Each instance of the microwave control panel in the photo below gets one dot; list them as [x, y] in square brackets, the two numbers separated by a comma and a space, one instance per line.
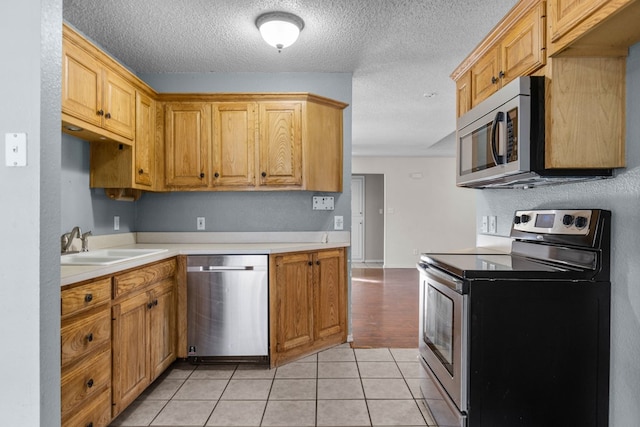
[556, 221]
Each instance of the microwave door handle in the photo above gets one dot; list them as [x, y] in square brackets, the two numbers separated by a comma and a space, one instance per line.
[494, 137]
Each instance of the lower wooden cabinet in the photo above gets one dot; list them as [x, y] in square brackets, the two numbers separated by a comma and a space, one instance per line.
[118, 334]
[308, 297]
[144, 336]
[85, 338]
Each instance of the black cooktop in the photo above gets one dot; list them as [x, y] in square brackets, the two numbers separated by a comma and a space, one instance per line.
[501, 266]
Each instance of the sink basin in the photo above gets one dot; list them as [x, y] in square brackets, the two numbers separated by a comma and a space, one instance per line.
[107, 256]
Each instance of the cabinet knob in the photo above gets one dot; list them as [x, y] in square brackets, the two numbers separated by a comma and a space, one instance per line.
[264, 174]
[310, 263]
[90, 337]
[88, 298]
[90, 383]
[90, 424]
[202, 175]
[501, 74]
[140, 171]
[107, 116]
[494, 80]
[150, 305]
[100, 112]
[318, 262]
[216, 175]
[155, 302]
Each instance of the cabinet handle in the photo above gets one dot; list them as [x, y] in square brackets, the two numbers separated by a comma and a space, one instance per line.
[216, 174]
[264, 174]
[100, 112]
[90, 383]
[90, 337]
[310, 263]
[90, 424]
[88, 298]
[107, 116]
[494, 80]
[155, 302]
[150, 305]
[140, 171]
[318, 262]
[201, 174]
[501, 74]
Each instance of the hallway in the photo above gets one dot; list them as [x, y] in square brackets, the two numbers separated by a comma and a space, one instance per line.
[384, 307]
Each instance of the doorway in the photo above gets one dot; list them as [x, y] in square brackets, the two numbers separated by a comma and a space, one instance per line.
[367, 221]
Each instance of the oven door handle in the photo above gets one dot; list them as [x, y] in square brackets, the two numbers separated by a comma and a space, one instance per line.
[449, 281]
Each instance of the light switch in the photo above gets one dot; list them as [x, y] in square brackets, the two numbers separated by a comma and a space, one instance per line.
[15, 149]
[338, 222]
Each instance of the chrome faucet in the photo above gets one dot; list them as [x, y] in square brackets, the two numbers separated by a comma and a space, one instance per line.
[67, 239]
[85, 241]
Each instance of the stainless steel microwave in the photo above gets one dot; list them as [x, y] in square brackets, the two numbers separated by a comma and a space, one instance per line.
[501, 141]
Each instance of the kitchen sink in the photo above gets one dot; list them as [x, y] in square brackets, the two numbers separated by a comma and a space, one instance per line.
[106, 256]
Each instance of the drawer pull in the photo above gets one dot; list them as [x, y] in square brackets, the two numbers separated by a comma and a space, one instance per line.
[90, 383]
[90, 337]
[88, 298]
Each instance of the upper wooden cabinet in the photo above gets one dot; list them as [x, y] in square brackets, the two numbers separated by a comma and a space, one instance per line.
[95, 97]
[239, 142]
[515, 49]
[593, 27]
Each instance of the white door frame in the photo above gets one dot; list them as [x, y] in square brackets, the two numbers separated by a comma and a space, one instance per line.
[357, 220]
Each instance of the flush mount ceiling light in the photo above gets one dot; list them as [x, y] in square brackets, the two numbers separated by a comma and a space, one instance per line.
[279, 29]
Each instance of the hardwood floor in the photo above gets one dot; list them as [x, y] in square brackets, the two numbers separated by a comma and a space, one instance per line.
[384, 307]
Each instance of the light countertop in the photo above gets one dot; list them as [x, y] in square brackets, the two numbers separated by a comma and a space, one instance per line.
[77, 273]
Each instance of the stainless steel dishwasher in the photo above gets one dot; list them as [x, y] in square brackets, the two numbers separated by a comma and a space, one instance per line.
[227, 308]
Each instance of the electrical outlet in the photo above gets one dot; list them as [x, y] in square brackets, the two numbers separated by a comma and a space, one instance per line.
[485, 224]
[338, 222]
[200, 223]
[493, 224]
[323, 203]
[116, 223]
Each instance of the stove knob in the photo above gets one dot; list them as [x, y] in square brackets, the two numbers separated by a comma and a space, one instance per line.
[516, 220]
[567, 220]
[581, 222]
[525, 218]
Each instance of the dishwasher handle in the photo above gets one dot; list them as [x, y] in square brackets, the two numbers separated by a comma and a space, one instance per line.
[217, 268]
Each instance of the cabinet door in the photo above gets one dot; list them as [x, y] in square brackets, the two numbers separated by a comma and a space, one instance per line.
[145, 140]
[329, 294]
[234, 134]
[566, 14]
[281, 144]
[119, 100]
[463, 94]
[130, 357]
[81, 84]
[485, 76]
[294, 302]
[187, 139]
[522, 49]
[162, 321]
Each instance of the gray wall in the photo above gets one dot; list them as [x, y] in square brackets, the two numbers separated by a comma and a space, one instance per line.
[249, 211]
[373, 219]
[30, 45]
[622, 196]
[87, 207]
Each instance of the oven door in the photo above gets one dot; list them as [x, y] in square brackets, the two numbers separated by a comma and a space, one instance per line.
[443, 341]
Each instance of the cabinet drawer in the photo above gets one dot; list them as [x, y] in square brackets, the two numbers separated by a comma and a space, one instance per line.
[96, 414]
[139, 279]
[85, 381]
[83, 334]
[85, 296]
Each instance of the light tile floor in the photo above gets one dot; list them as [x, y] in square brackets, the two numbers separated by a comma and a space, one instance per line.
[336, 387]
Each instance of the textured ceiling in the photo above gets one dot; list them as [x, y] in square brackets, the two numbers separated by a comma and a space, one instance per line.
[397, 50]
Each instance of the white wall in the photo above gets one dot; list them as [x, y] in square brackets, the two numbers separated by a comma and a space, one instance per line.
[429, 214]
[30, 47]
